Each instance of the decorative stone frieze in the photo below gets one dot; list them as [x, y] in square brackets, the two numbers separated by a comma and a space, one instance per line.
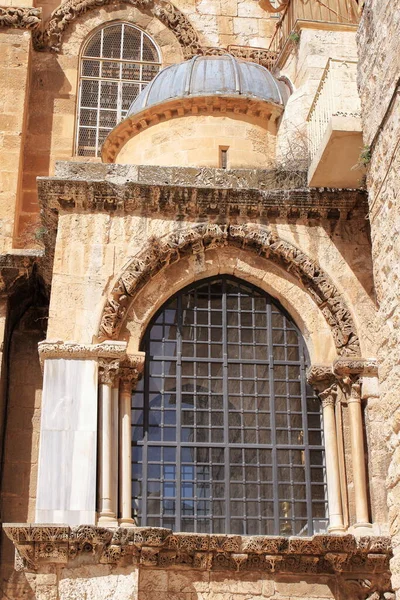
[202, 237]
[20, 17]
[196, 193]
[345, 555]
[109, 349]
[355, 366]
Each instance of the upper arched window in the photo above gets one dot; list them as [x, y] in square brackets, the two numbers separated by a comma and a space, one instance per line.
[226, 433]
[116, 64]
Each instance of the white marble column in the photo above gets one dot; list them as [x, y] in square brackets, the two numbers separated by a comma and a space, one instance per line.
[323, 381]
[126, 453]
[358, 456]
[328, 399]
[130, 373]
[108, 369]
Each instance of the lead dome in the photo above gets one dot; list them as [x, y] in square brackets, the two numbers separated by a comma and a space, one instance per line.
[211, 75]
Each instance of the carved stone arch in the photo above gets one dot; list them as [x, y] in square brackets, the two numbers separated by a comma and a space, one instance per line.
[199, 238]
[51, 36]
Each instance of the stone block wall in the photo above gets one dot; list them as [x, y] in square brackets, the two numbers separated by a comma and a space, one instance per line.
[378, 79]
[15, 57]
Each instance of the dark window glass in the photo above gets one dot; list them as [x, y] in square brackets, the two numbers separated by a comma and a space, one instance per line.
[226, 433]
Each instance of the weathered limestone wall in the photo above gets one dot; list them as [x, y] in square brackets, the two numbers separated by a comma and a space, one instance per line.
[379, 71]
[21, 447]
[304, 67]
[15, 56]
[195, 140]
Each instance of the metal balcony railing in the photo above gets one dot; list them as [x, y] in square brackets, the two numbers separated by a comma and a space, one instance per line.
[336, 96]
[345, 12]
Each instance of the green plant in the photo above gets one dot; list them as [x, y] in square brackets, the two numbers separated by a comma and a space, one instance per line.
[294, 37]
[365, 156]
[40, 232]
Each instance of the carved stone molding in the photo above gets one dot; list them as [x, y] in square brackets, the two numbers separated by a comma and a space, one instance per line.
[50, 38]
[355, 366]
[20, 17]
[72, 350]
[320, 377]
[349, 558]
[16, 269]
[367, 588]
[202, 237]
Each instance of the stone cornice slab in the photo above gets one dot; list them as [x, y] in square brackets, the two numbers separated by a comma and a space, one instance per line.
[235, 198]
[39, 545]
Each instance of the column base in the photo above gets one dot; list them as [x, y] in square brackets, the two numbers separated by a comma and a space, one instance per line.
[107, 519]
[127, 523]
[337, 529]
[362, 529]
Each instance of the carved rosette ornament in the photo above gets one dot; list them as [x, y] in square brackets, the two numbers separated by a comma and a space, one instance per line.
[205, 236]
[20, 17]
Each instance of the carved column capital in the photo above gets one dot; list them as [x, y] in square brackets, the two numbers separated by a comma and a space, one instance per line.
[328, 396]
[322, 379]
[131, 370]
[108, 370]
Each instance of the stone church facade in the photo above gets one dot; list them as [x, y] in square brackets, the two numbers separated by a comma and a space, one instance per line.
[199, 299]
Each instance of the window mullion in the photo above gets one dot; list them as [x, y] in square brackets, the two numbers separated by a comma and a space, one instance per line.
[178, 489]
[303, 392]
[273, 422]
[225, 400]
[146, 409]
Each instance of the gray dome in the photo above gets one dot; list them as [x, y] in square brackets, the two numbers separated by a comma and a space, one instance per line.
[209, 76]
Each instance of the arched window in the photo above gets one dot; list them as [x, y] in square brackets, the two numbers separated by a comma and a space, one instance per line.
[116, 64]
[226, 433]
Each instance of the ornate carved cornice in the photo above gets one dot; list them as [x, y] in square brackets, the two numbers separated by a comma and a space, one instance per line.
[202, 237]
[109, 349]
[20, 17]
[195, 193]
[157, 547]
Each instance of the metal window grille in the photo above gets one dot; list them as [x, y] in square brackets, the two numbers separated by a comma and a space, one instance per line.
[226, 433]
[116, 65]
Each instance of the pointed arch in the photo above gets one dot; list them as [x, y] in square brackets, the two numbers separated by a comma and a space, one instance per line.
[199, 238]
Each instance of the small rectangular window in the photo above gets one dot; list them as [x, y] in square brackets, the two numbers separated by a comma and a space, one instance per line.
[223, 157]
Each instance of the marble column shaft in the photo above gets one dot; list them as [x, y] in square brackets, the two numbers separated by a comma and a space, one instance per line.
[328, 399]
[357, 453]
[126, 453]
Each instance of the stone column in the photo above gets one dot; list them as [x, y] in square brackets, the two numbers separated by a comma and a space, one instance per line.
[323, 381]
[348, 372]
[108, 369]
[358, 456]
[130, 373]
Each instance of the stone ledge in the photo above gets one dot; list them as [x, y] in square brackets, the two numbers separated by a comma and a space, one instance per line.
[39, 545]
[122, 195]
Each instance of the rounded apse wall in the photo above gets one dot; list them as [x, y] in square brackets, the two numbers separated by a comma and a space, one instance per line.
[213, 140]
